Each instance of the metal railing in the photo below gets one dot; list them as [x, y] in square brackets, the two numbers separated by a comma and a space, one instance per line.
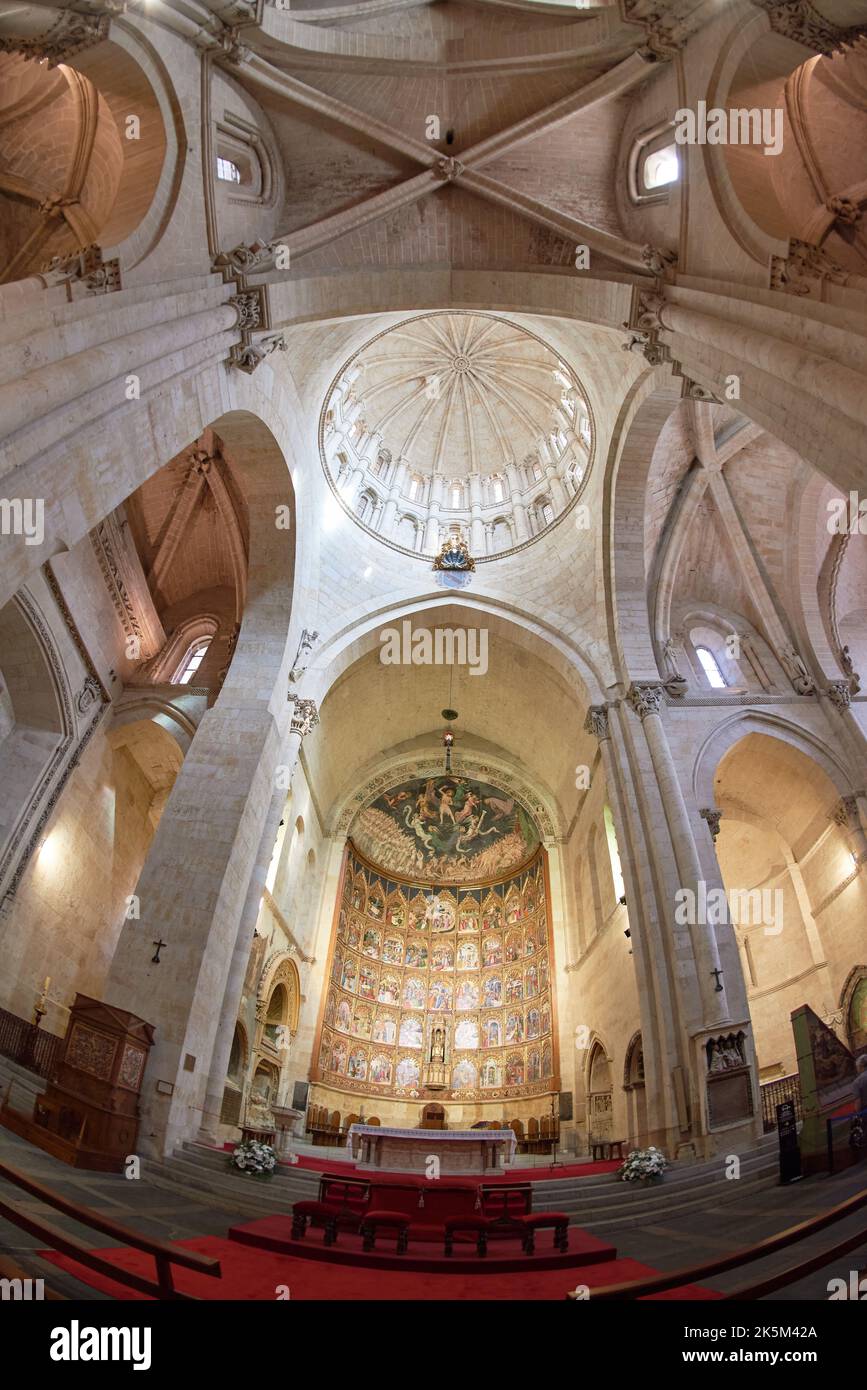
[775, 1092]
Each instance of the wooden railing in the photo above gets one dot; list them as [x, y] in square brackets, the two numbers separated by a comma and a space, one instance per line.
[775, 1092]
[165, 1254]
[658, 1283]
[29, 1046]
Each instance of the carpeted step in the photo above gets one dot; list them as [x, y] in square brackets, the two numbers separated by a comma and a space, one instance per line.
[505, 1255]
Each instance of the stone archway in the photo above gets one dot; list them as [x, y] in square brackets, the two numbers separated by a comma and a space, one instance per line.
[242, 811]
[600, 1094]
[633, 1085]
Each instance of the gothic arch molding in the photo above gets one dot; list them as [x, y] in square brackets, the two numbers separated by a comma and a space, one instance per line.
[737, 726]
[280, 970]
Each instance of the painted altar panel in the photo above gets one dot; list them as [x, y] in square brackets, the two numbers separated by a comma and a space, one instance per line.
[448, 829]
[418, 969]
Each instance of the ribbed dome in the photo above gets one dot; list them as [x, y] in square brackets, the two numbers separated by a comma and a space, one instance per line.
[457, 394]
[456, 421]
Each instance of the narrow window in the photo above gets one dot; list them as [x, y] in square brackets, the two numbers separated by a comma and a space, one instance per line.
[661, 168]
[192, 661]
[710, 666]
[227, 170]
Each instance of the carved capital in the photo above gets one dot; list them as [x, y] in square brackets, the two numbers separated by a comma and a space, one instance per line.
[839, 694]
[797, 20]
[69, 34]
[596, 722]
[713, 818]
[249, 307]
[305, 716]
[845, 210]
[845, 813]
[646, 697]
[805, 268]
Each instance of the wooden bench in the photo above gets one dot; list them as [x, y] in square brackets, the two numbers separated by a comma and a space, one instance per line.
[374, 1221]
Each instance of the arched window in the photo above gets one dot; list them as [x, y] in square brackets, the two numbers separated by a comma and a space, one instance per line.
[227, 170]
[192, 661]
[457, 494]
[710, 666]
[498, 488]
[661, 167]
[614, 855]
[546, 513]
[414, 487]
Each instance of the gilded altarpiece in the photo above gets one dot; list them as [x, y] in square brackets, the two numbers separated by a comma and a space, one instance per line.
[440, 992]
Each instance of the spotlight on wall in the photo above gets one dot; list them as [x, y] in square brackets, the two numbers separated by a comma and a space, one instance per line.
[622, 900]
[628, 934]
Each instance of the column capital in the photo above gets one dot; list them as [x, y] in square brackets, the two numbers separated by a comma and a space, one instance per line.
[596, 722]
[305, 716]
[798, 20]
[646, 697]
[840, 695]
[713, 818]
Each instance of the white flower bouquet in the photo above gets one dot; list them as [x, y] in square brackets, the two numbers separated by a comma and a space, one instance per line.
[643, 1164]
[258, 1160]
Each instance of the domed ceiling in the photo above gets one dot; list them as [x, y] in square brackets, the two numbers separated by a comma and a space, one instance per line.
[448, 829]
[463, 415]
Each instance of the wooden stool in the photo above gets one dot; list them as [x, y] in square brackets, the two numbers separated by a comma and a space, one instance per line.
[538, 1221]
[391, 1220]
[478, 1225]
[304, 1212]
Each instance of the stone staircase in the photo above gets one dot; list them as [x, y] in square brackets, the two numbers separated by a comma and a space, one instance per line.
[595, 1203]
[603, 1203]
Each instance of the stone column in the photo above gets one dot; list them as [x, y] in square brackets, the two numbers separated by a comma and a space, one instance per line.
[556, 488]
[477, 526]
[662, 1040]
[192, 891]
[647, 700]
[304, 719]
[519, 511]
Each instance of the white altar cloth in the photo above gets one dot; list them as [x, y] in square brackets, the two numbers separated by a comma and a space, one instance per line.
[397, 1149]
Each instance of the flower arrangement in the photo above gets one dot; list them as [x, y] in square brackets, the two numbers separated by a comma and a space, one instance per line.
[259, 1160]
[643, 1164]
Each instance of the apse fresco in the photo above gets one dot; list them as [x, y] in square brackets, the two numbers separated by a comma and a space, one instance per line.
[450, 829]
[438, 992]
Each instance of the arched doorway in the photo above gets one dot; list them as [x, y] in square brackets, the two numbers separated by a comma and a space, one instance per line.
[600, 1095]
[633, 1085]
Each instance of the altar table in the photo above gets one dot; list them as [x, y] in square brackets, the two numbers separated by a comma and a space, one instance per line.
[408, 1150]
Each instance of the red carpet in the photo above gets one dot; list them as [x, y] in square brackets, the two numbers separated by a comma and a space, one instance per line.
[250, 1274]
[540, 1174]
[505, 1255]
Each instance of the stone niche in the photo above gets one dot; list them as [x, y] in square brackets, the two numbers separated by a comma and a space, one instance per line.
[729, 1082]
